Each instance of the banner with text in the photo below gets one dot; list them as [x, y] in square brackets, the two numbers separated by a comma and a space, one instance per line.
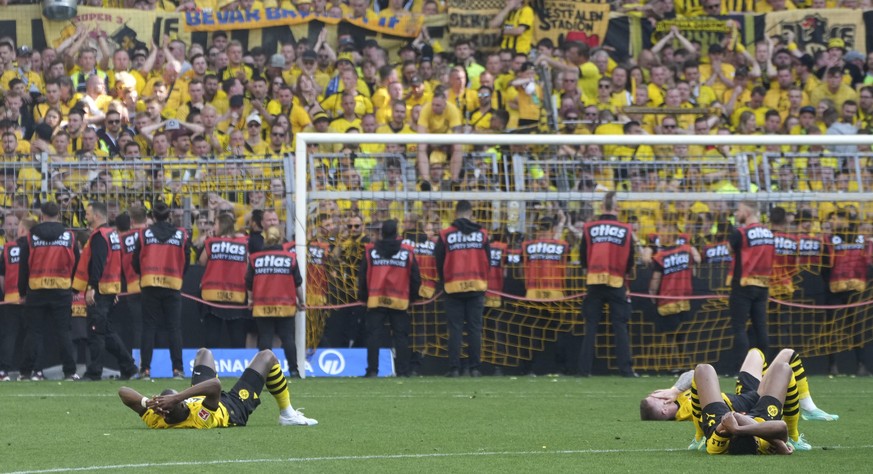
[125, 27]
[812, 29]
[406, 26]
[232, 362]
[468, 20]
[575, 20]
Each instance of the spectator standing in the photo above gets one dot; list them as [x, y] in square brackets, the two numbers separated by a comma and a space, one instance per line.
[388, 281]
[607, 255]
[463, 261]
[44, 282]
[161, 258]
[98, 275]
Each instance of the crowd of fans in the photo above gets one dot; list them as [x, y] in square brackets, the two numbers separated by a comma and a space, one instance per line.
[132, 126]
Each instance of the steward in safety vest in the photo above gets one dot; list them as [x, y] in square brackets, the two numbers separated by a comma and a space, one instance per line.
[785, 248]
[49, 258]
[463, 255]
[11, 261]
[389, 276]
[753, 248]
[846, 258]
[273, 280]
[100, 263]
[226, 260]
[545, 263]
[667, 236]
[161, 256]
[672, 276]
[426, 259]
[810, 246]
[495, 274]
[129, 228]
[607, 251]
[388, 280]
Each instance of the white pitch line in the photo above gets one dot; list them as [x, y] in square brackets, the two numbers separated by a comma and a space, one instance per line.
[365, 458]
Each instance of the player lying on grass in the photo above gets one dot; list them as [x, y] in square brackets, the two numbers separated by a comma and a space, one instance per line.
[675, 403]
[761, 429]
[204, 405]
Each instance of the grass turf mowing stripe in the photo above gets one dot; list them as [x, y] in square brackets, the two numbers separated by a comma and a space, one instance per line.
[369, 457]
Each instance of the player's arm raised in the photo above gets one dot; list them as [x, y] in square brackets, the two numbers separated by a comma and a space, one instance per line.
[209, 389]
[133, 399]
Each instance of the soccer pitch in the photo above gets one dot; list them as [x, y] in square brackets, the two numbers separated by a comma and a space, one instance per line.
[428, 424]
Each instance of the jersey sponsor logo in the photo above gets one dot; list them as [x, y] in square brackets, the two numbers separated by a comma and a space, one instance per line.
[544, 249]
[230, 251]
[759, 236]
[130, 242]
[809, 246]
[785, 245]
[203, 414]
[460, 241]
[608, 233]
[14, 255]
[175, 239]
[718, 253]
[114, 241]
[63, 240]
[676, 262]
[496, 257]
[399, 259]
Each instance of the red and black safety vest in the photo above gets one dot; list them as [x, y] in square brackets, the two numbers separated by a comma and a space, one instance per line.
[545, 266]
[51, 262]
[128, 246]
[274, 291]
[608, 247]
[388, 277]
[426, 259]
[110, 280]
[224, 276]
[849, 262]
[717, 252]
[810, 251]
[784, 264]
[162, 263]
[11, 261]
[676, 272]
[756, 255]
[290, 247]
[316, 273]
[466, 265]
[495, 274]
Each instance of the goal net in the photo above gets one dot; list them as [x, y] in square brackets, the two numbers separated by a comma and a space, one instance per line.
[540, 189]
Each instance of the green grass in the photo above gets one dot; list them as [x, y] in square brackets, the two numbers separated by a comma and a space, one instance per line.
[522, 424]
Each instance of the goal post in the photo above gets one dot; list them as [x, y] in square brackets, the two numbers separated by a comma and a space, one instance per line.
[303, 193]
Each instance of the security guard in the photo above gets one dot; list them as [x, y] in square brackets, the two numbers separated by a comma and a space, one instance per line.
[388, 281]
[161, 258]
[44, 283]
[98, 275]
[607, 255]
[463, 261]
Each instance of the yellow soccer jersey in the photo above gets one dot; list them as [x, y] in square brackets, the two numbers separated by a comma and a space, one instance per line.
[199, 417]
[684, 401]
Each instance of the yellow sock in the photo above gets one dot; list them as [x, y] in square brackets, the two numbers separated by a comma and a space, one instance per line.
[695, 411]
[278, 387]
[799, 376]
[791, 410]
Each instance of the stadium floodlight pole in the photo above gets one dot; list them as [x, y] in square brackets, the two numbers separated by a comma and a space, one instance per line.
[304, 139]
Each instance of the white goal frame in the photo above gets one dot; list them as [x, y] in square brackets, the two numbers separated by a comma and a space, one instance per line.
[299, 199]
